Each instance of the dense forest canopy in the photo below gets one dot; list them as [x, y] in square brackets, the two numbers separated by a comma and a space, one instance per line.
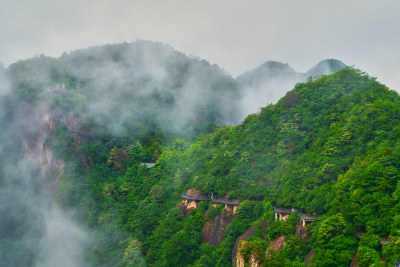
[329, 148]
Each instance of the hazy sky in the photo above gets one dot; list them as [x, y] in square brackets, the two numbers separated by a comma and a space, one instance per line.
[238, 35]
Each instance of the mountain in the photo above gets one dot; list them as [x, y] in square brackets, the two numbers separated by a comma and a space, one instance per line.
[147, 91]
[271, 80]
[124, 155]
[135, 89]
[145, 87]
[325, 67]
[328, 149]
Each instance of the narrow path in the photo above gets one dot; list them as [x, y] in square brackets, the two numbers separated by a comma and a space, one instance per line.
[215, 200]
[200, 198]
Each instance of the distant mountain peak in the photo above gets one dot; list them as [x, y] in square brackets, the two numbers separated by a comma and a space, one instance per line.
[326, 66]
[268, 70]
[275, 65]
[271, 80]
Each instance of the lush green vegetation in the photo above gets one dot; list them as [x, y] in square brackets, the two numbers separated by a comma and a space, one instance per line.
[330, 147]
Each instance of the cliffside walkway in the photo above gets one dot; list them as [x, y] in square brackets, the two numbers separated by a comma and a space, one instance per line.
[226, 201]
[199, 198]
[213, 199]
[280, 213]
[304, 219]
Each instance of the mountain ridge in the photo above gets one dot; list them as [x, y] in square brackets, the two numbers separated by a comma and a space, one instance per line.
[329, 146]
[271, 80]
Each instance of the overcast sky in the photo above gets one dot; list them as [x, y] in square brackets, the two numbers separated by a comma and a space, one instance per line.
[238, 35]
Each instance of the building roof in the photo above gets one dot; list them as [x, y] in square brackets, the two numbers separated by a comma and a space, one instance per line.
[284, 210]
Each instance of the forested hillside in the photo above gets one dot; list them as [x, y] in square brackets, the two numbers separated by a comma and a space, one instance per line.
[130, 89]
[329, 147]
[327, 150]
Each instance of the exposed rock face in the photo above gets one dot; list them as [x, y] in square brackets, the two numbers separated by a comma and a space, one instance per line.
[194, 193]
[38, 126]
[192, 202]
[307, 259]
[52, 123]
[237, 257]
[186, 205]
[213, 231]
[36, 123]
[79, 131]
[253, 261]
[277, 245]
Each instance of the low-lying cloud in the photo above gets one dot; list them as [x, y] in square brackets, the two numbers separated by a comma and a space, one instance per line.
[34, 230]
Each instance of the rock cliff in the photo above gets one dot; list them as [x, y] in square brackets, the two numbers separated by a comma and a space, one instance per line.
[238, 259]
[213, 231]
[277, 245]
[37, 123]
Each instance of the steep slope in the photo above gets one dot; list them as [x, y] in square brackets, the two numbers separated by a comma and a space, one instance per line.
[329, 147]
[34, 230]
[320, 149]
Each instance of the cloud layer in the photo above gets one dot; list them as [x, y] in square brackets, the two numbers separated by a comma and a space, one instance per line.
[34, 230]
[237, 35]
